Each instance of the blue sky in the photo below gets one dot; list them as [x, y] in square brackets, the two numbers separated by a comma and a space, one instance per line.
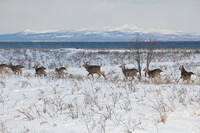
[18, 15]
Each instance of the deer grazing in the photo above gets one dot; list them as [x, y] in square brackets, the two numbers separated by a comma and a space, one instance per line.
[94, 69]
[62, 71]
[189, 76]
[153, 73]
[3, 69]
[41, 71]
[16, 69]
[130, 72]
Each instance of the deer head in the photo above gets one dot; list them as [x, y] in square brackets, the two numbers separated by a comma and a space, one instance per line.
[35, 67]
[181, 68]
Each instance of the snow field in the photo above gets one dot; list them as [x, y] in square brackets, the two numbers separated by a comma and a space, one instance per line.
[79, 104]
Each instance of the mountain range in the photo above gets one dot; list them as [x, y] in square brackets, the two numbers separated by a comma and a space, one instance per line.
[126, 32]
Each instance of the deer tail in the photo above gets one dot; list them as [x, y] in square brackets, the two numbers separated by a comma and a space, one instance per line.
[193, 77]
[102, 69]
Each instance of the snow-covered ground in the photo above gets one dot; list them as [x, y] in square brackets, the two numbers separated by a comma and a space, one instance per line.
[81, 105]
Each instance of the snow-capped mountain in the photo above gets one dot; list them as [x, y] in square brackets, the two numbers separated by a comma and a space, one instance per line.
[126, 32]
[29, 31]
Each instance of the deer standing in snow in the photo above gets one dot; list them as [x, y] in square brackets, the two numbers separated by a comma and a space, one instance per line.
[94, 69]
[3, 69]
[16, 69]
[130, 72]
[153, 73]
[41, 71]
[189, 76]
[62, 71]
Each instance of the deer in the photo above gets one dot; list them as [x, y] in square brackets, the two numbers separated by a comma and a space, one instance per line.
[16, 69]
[94, 69]
[41, 71]
[62, 71]
[130, 72]
[189, 76]
[3, 69]
[153, 73]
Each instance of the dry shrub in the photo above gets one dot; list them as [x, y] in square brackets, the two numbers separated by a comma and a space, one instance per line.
[77, 77]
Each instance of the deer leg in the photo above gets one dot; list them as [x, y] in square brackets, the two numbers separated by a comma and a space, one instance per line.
[62, 76]
[188, 81]
[160, 80]
[132, 77]
[138, 77]
[103, 75]
[99, 75]
[88, 74]
[2, 74]
[179, 79]
[183, 81]
[192, 82]
[45, 75]
[92, 76]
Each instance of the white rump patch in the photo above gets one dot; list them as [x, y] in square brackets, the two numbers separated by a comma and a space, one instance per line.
[162, 73]
[102, 69]
[193, 77]
[65, 71]
[137, 73]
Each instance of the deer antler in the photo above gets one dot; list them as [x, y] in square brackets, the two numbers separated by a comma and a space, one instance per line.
[90, 59]
[83, 58]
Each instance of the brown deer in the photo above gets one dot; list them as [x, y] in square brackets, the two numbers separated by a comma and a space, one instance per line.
[16, 69]
[62, 72]
[94, 69]
[41, 71]
[130, 72]
[3, 69]
[153, 73]
[189, 76]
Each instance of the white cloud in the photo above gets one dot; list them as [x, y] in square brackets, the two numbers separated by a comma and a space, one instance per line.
[103, 6]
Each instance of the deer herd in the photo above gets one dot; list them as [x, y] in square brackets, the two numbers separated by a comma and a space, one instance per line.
[94, 69]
